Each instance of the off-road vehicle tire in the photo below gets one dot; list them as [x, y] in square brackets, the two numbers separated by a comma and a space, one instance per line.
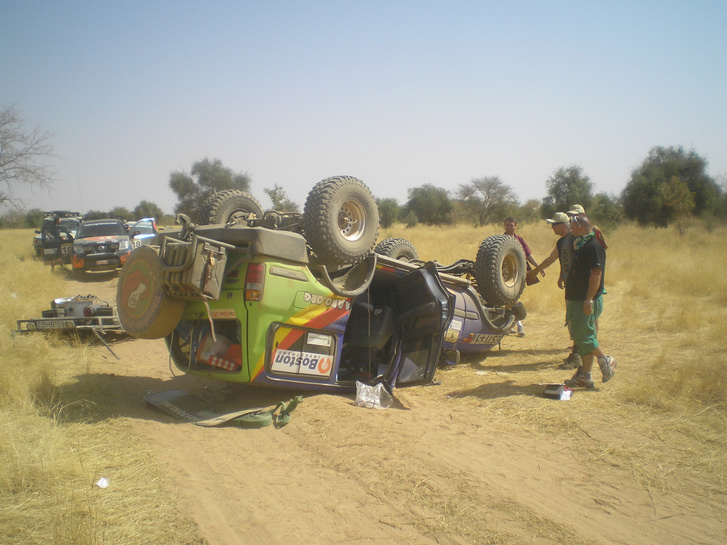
[229, 205]
[500, 270]
[397, 248]
[341, 220]
[145, 310]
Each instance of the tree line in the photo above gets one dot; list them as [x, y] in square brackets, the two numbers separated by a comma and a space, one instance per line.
[670, 186]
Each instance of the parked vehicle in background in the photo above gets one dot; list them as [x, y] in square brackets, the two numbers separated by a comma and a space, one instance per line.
[56, 244]
[304, 302]
[100, 245]
[69, 221]
[142, 232]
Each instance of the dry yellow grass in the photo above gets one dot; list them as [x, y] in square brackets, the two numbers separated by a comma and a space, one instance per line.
[52, 449]
[667, 294]
[665, 321]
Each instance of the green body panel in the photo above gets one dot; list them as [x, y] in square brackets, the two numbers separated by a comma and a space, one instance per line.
[291, 296]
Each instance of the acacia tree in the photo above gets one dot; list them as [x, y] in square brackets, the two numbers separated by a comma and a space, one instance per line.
[430, 204]
[484, 197]
[677, 201]
[146, 209]
[388, 211]
[566, 187]
[606, 211]
[643, 196]
[204, 179]
[120, 213]
[280, 199]
[21, 155]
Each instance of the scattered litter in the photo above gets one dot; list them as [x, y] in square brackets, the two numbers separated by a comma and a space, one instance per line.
[557, 391]
[103, 482]
[373, 397]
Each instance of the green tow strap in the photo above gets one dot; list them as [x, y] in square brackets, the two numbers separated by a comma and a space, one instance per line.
[265, 417]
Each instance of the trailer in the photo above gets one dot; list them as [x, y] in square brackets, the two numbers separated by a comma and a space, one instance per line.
[82, 312]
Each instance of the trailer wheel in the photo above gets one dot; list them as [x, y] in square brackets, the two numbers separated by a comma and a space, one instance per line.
[145, 310]
[341, 220]
[397, 248]
[229, 206]
[500, 270]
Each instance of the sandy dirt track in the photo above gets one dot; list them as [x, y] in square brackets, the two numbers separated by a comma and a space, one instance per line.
[441, 466]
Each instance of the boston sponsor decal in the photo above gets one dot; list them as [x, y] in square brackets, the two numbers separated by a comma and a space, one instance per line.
[302, 363]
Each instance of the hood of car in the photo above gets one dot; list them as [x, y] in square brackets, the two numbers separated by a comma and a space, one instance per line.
[101, 239]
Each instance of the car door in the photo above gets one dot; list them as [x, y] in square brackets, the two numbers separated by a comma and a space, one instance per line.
[424, 312]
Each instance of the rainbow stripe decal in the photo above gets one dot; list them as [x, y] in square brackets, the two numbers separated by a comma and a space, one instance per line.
[330, 314]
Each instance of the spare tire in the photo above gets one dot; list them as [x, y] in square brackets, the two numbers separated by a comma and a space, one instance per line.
[229, 206]
[398, 248]
[145, 310]
[341, 220]
[500, 270]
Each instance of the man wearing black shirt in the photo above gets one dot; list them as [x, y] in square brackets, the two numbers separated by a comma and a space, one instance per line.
[584, 303]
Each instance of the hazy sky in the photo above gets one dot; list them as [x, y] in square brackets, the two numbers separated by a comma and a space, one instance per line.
[397, 93]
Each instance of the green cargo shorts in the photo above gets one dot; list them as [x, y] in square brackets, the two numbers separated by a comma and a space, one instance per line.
[582, 328]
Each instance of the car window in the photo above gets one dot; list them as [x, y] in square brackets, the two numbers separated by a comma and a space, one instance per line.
[142, 228]
[100, 229]
[69, 224]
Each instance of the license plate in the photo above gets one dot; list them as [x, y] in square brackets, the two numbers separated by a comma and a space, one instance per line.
[103, 262]
[50, 324]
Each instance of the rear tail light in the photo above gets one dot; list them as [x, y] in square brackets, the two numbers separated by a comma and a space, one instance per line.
[254, 282]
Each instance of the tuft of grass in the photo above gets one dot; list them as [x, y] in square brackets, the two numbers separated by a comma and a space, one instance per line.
[50, 463]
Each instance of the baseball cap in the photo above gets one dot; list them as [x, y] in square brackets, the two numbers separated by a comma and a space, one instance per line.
[575, 210]
[559, 217]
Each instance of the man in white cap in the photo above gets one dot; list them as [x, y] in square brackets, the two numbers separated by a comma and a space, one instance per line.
[584, 291]
[576, 210]
[563, 251]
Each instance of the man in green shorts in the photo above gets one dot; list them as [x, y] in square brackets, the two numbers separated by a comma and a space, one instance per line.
[584, 303]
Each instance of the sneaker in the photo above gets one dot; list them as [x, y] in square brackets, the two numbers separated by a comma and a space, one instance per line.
[520, 331]
[573, 361]
[579, 380]
[608, 367]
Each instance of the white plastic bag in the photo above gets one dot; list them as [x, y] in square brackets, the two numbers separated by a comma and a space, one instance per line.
[373, 397]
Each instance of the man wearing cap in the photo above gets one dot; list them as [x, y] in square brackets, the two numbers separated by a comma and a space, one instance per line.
[578, 210]
[584, 302]
[563, 251]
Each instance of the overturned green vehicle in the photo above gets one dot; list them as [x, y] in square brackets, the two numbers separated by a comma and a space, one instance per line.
[298, 301]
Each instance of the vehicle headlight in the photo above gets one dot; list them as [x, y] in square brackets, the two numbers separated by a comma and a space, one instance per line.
[78, 250]
[124, 245]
